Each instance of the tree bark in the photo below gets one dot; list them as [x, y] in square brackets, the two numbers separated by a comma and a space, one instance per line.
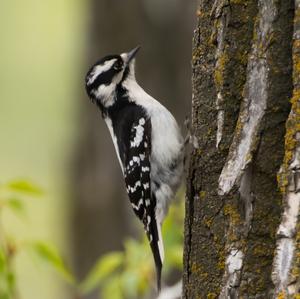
[242, 232]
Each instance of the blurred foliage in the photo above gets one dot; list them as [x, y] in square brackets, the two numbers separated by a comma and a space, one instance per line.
[42, 56]
[131, 273]
[122, 274]
[13, 196]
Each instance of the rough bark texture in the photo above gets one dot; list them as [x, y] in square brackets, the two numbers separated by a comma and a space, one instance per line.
[242, 81]
[286, 265]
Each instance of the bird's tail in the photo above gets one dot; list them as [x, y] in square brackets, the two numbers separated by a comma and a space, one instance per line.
[156, 245]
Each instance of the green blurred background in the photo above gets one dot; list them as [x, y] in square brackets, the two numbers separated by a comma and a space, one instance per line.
[42, 44]
[51, 134]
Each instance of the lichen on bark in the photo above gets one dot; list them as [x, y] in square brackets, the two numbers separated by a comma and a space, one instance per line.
[286, 265]
[230, 238]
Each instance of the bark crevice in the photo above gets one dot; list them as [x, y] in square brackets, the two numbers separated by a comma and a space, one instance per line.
[286, 264]
[254, 103]
[241, 83]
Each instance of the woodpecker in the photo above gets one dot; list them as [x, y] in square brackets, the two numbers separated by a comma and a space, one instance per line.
[147, 140]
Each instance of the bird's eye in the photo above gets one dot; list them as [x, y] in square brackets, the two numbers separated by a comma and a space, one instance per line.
[118, 66]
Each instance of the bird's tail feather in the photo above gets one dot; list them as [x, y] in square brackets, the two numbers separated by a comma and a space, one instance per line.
[157, 249]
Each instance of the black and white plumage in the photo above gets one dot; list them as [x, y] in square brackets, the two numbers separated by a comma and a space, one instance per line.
[147, 140]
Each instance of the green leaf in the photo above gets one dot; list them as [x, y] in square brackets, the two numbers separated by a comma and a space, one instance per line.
[15, 204]
[175, 256]
[130, 283]
[112, 289]
[4, 294]
[7, 278]
[104, 267]
[2, 261]
[11, 281]
[24, 186]
[137, 252]
[49, 254]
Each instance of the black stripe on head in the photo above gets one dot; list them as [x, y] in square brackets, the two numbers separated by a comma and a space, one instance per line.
[106, 77]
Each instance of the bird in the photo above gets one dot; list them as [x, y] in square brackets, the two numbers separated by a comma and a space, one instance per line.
[147, 140]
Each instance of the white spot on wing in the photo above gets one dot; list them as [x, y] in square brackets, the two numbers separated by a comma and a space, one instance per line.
[133, 189]
[139, 133]
[145, 169]
[136, 159]
[138, 206]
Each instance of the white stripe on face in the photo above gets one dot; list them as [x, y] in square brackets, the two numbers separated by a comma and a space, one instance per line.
[98, 69]
[105, 93]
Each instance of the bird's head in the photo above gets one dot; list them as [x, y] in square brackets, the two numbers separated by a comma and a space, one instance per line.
[104, 76]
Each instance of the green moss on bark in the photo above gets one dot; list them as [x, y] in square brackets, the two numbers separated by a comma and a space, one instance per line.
[205, 226]
[213, 222]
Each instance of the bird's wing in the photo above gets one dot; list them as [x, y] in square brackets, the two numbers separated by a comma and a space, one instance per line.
[137, 169]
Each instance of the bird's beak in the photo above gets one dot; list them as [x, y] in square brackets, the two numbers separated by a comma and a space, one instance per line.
[131, 54]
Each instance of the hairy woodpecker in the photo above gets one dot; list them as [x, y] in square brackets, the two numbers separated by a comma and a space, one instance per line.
[147, 140]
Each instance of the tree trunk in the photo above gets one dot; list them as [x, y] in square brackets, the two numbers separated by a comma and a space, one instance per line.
[242, 233]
